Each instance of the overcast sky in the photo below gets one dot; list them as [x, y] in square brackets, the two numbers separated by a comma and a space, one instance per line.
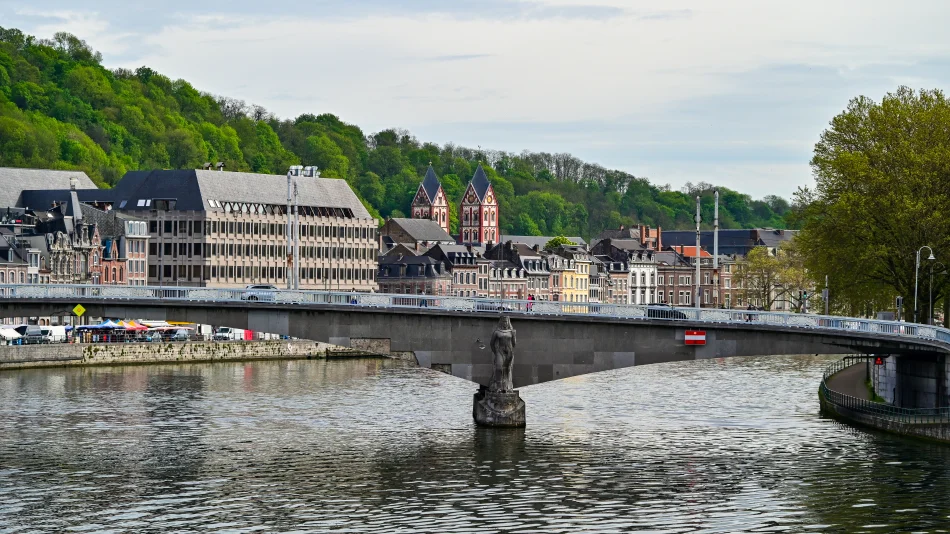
[730, 92]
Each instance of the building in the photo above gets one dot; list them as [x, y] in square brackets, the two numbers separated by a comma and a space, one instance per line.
[430, 201]
[14, 183]
[532, 261]
[641, 268]
[570, 273]
[418, 235]
[124, 246]
[507, 281]
[478, 213]
[414, 275]
[464, 264]
[617, 290]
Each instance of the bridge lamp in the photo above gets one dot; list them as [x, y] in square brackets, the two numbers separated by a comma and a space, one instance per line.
[916, 272]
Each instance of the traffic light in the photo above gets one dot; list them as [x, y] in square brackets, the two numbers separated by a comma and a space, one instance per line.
[878, 360]
[900, 301]
[805, 295]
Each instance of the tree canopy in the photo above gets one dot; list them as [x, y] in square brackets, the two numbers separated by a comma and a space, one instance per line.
[61, 109]
[882, 172]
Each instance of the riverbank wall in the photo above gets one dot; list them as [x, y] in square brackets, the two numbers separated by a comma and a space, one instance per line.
[930, 424]
[79, 354]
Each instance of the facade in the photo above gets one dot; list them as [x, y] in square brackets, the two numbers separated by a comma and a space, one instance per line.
[229, 229]
[124, 246]
[530, 260]
[648, 238]
[430, 201]
[463, 262]
[641, 268]
[414, 275]
[507, 281]
[478, 214]
[570, 271]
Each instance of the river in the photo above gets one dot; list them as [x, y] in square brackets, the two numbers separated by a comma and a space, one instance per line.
[733, 445]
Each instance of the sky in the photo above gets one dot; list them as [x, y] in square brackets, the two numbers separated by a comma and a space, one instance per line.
[731, 92]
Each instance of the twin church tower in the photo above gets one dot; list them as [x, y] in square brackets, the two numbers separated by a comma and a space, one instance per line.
[478, 212]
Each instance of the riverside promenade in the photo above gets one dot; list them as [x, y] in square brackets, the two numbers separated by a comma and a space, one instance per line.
[81, 354]
[845, 396]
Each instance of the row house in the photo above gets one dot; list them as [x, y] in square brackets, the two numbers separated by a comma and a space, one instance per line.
[414, 275]
[469, 269]
[570, 273]
[530, 260]
[507, 281]
[124, 246]
[618, 281]
[641, 265]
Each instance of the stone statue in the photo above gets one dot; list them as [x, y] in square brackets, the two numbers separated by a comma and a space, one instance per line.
[499, 404]
[503, 347]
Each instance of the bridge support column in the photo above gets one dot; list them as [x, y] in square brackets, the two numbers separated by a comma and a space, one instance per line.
[498, 408]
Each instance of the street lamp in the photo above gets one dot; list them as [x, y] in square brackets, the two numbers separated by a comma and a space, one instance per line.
[932, 265]
[916, 270]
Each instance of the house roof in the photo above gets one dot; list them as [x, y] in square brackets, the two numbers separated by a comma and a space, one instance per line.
[192, 189]
[431, 184]
[13, 182]
[690, 251]
[621, 233]
[540, 241]
[422, 230]
[480, 182]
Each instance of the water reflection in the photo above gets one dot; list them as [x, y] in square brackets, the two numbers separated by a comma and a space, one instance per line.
[375, 446]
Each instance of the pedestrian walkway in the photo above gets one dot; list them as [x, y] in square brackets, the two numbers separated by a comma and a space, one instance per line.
[850, 381]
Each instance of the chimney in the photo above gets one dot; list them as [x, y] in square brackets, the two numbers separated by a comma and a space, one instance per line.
[73, 182]
[417, 246]
[537, 248]
[220, 166]
[206, 166]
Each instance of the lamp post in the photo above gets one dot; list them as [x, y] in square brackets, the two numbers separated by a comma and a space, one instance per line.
[916, 272]
[932, 265]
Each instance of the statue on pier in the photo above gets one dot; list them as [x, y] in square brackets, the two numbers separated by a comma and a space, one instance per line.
[499, 404]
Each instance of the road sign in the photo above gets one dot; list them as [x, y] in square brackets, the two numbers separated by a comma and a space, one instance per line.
[79, 310]
[878, 361]
[695, 337]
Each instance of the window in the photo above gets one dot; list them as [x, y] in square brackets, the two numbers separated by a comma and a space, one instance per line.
[661, 280]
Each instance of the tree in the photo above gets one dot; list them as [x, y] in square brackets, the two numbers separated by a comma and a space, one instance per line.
[882, 173]
[555, 242]
[759, 275]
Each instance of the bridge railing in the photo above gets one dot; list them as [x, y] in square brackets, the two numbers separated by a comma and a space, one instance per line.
[71, 293]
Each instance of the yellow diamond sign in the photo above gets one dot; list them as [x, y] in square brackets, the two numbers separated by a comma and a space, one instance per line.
[79, 310]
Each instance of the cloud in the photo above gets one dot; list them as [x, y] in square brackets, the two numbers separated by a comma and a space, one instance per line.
[681, 90]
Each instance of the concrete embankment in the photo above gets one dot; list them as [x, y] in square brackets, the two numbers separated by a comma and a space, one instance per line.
[59, 355]
[844, 396]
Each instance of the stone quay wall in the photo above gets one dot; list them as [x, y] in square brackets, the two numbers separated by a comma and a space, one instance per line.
[927, 424]
[73, 354]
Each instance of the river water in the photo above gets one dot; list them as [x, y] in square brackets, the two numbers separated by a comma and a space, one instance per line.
[732, 445]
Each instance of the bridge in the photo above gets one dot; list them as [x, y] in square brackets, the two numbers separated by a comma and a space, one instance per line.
[555, 339]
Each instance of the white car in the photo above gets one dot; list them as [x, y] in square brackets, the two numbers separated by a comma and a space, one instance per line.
[258, 292]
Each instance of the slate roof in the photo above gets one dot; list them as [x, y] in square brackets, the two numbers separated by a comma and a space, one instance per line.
[736, 241]
[540, 241]
[193, 188]
[413, 266]
[423, 230]
[110, 223]
[13, 182]
[480, 182]
[621, 233]
[431, 184]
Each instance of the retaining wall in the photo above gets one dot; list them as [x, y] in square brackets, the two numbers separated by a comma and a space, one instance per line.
[57, 355]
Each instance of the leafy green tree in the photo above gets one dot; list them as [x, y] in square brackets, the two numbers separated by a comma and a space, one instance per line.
[882, 192]
[555, 242]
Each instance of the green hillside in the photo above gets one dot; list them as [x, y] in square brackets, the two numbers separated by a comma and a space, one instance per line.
[61, 109]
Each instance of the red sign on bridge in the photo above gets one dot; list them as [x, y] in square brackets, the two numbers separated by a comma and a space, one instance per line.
[695, 337]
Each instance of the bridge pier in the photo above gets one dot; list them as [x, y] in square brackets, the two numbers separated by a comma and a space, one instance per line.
[913, 381]
[498, 408]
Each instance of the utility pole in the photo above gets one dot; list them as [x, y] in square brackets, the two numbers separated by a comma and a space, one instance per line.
[296, 238]
[291, 174]
[717, 295]
[699, 290]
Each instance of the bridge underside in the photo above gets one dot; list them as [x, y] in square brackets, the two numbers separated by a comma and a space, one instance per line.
[548, 347]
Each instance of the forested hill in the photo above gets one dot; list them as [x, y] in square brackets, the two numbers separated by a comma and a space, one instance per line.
[61, 109]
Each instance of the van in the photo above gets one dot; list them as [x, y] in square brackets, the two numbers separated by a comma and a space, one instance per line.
[228, 334]
[55, 334]
[31, 334]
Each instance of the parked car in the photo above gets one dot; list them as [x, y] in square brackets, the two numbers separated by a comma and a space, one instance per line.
[181, 335]
[226, 333]
[255, 292]
[54, 334]
[664, 312]
[31, 334]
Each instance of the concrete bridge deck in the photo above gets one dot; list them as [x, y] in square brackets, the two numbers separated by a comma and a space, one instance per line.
[555, 339]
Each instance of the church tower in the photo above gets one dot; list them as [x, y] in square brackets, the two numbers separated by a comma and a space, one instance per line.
[430, 201]
[478, 214]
